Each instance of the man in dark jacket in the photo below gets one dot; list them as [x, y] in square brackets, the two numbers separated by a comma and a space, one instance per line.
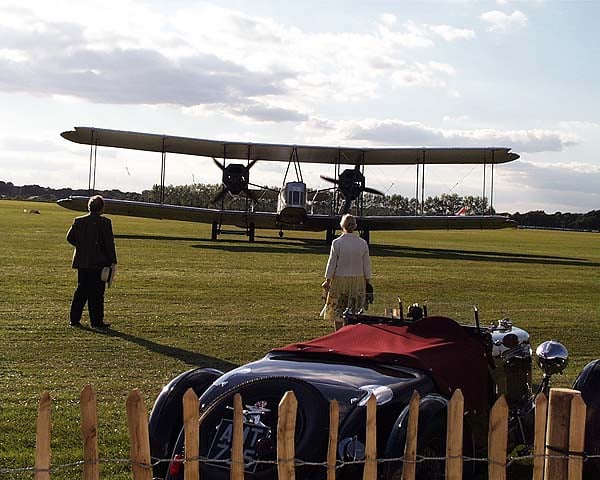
[94, 243]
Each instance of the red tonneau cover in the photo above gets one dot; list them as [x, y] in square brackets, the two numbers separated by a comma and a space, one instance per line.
[453, 356]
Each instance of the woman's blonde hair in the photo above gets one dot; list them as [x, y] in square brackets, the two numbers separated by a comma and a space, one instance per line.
[348, 223]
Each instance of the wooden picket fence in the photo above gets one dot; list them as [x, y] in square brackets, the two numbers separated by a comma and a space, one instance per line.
[559, 427]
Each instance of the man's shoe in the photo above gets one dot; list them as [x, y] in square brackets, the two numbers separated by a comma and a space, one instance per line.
[101, 325]
[74, 324]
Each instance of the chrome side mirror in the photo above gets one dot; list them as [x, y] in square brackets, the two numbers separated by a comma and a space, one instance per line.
[552, 356]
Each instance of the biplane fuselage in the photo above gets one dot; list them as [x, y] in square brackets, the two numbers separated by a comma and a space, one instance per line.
[291, 204]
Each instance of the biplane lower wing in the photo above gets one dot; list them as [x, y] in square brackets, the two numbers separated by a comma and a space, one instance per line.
[238, 218]
[270, 220]
[433, 222]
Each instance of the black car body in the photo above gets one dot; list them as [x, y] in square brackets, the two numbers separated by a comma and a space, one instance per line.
[387, 358]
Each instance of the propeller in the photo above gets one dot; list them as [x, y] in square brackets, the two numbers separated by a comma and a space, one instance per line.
[236, 177]
[351, 183]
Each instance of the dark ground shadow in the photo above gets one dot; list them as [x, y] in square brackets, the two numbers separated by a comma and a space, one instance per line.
[474, 255]
[242, 245]
[156, 237]
[272, 246]
[192, 359]
[318, 246]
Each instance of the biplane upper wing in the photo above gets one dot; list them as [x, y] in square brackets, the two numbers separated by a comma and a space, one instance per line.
[279, 152]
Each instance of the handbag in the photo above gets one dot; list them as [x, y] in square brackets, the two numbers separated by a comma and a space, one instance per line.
[107, 274]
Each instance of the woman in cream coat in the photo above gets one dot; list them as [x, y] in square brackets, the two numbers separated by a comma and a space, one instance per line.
[347, 273]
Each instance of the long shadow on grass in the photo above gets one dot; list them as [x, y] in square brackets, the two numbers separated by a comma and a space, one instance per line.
[318, 247]
[474, 255]
[156, 237]
[272, 246]
[191, 358]
[312, 246]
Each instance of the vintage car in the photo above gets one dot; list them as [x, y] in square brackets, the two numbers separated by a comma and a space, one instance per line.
[381, 356]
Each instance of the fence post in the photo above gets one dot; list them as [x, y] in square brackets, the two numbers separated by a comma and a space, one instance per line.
[370, 470]
[237, 442]
[454, 437]
[334, 422]
[42, 439]
[576, 437]
[557, 433]
[539, 440]
[137, 419]
[89, 433]
[191, 430]
[286, 427]
[409, 465]
[498, 440]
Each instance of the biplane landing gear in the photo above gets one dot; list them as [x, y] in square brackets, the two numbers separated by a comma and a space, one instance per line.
[330, 235]
[366, 235]
[251, 231]
[214, 233]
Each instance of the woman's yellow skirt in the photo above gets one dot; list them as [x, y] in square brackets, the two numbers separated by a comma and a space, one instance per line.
[345, 293]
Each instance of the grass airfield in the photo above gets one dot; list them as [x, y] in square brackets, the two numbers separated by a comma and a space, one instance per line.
[181, 300]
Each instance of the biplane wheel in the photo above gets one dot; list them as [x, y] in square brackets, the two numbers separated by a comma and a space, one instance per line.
[280, 233]
[329, 235]
[251, 232]
[366, 234]
[214, 231]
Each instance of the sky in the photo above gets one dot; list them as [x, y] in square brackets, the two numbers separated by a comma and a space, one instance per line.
[516, 74]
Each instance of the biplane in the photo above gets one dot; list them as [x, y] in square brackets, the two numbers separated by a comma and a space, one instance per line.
[293, 212]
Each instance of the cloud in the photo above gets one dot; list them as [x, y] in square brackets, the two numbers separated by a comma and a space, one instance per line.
[500, 21]
[388, 19]
[203, 54]
[395, 132]
[450, 33]
[558, 180]
[22, 144]
[253, 110]
[137, 77]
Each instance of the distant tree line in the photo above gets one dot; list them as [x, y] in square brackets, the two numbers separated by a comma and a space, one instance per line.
[47, 194]
[201, 195]
[589, 221]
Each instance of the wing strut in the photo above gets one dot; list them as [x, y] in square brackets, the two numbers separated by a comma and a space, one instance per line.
[423, 186]
[490, 208]
[492, 192]
[163, 165]
[420, 199]
[93, 160]
[417, 191]
[483, 196]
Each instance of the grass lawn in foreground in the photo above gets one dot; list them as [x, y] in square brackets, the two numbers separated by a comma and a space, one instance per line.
[181, 300]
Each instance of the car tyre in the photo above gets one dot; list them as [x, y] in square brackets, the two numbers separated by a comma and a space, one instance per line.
[166, 417]
[431, 442]
[312, 421]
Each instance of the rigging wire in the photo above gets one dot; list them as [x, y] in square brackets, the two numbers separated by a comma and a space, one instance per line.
[461, 180]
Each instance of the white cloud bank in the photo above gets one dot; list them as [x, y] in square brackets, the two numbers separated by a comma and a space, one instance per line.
[501, 22]
[204, 55]
[399, 133]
